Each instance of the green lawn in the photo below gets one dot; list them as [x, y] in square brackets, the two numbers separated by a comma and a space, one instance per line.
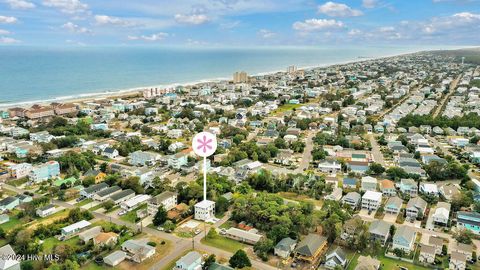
[286, 107]
[132, 215]
[50, 243]
[84, 202]
[12, 223]
[223, 243]
[18, 182]
[387, 263]
[94, 266]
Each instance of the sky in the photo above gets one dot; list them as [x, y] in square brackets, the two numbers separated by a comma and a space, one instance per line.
[239, 23]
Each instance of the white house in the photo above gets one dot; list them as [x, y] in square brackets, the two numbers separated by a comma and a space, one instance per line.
[371, 200]
[166, 199]
[442, 213]
[205, 210]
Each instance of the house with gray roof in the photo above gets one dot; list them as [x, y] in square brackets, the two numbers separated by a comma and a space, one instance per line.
[416, 207]
[353, 199]
[285, 247]
[310, 248]
[404, 239]
[427, 254]
[379, 231]
[103, 195]
[393, 205]
[191, 261]
[138, 250]
[7, 259]
[122, 196]
[115, 258]
[336, 258]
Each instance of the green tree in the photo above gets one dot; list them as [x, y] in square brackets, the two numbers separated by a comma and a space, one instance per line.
[208, 262]
[263, 247]
[160, 217]
[240, 260]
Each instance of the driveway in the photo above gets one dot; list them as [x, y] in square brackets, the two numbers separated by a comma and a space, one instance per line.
[391, 218]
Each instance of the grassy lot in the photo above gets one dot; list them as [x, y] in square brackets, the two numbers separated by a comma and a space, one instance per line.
[223, 243]
[286, 107]
[84, 202]
[48, 220]
[18, 182]
[387, 263]
[228, 224]
[300, 198]
[49, 243]
[12, 223]
[132, 215]
[94, 266]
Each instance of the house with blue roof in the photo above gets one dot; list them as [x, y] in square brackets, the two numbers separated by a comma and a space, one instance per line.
[469, 221]
[349, 182]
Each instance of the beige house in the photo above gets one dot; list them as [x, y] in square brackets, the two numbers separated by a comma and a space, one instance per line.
[427, 254]
[458, 261]
[436, 242]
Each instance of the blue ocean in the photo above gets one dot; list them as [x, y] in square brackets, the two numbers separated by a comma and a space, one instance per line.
[30, 74]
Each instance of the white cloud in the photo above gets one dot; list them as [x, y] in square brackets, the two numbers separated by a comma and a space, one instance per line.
[333, 9]
[369, 3]
[264, 33]
[354, 32]
[194, 19]
[153, 37]
[317, 25]
[109, 20]
[76, 43]
[20, 4]
[7, 19]
[75, 28]
[386, 29]
[459, 22]
[67, 6]
[8, 40]
[4, 32]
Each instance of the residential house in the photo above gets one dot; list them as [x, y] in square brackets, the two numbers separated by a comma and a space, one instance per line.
[89, 234]
[387, 188]
[249, 237]
[285, 247]
[138, 250]
[191, 261]
[20, 170]
[379, 231]
[409, 186]
[442, 214]
[458, 261]
[336, 258]
[349, 182]
[141, 158]
[97, 174]
[105, 239]
[122, 196]
[465, 249]
[114, 258]
[134, 202]
[416, 208]
[369, 183]
[330, 166]
[310, 248]
[74, 228]
[360, 167]
[427, 254]
[469, 221]
[166, 199]
[204, 210]
[437, 243]
[92, 190]
[404, 239]
[4, 218]
[45, 211]
[371, 200]
[430, 189]
[178, 160]
[9, 203]
[110, 152]
[393, 205]
[8, 259]
[336, 195]
[48, 170]
[353, 199]
[103, 195]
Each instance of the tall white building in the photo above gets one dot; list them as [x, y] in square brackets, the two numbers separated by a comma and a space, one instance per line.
[371, 200]
[205, 210]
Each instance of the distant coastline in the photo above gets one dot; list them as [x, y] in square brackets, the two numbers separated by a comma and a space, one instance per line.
[112, 94]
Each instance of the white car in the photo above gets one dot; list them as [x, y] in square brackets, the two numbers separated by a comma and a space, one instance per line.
[123, 212]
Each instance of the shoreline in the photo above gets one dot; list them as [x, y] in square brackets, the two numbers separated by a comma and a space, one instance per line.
[113, 94]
